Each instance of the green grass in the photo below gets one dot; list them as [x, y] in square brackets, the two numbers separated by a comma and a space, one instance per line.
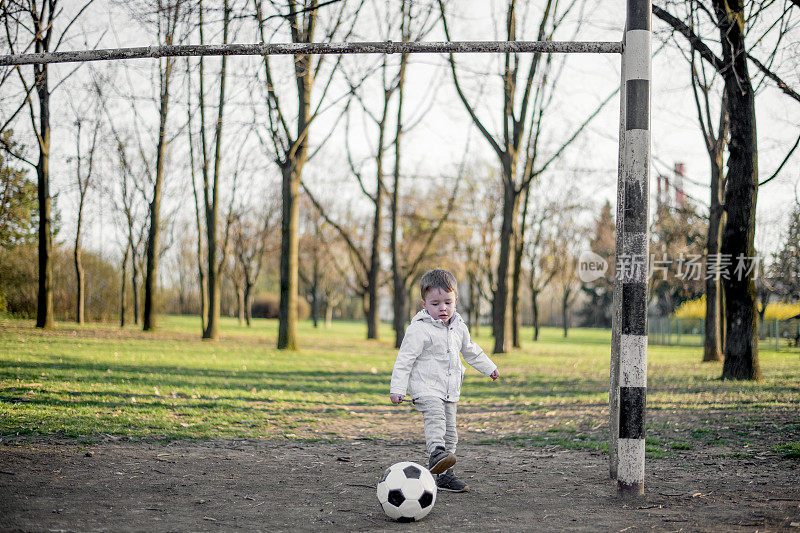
[790, 449]
[85, 382]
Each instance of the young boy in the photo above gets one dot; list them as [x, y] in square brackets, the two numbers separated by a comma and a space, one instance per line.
[429, 370]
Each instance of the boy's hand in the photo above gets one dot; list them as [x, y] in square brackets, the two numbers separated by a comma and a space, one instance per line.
[396, 398]
[494, 375]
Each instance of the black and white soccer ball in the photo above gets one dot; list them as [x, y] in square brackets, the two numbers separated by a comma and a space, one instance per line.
[407, 492]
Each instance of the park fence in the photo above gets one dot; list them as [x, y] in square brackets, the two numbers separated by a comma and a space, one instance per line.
[779, 335]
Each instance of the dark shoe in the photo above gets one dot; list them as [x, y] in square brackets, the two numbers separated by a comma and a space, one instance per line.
[449, 481]
[440, 460]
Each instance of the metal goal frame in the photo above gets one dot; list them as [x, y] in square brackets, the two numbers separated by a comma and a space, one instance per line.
[628, 367]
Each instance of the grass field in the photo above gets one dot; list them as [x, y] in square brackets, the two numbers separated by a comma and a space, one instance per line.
[97, 380]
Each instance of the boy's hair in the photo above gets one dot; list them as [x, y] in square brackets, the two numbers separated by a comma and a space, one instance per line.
[437, 279]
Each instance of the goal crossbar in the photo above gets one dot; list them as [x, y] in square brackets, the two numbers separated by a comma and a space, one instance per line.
[263, 49]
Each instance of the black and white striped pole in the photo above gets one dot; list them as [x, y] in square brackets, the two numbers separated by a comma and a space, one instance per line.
[631, 263]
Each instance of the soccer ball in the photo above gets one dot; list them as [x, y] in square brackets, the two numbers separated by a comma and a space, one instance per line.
[407, 492]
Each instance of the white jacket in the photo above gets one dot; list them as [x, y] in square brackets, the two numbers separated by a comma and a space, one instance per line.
[428, 364]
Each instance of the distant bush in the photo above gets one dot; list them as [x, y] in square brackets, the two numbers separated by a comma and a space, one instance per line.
[266, 306]
[775, 310]
[691, 309]
[19, 280]
[781, 310]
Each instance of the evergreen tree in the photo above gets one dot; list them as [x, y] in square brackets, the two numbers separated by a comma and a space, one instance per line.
[598, 310]
[785, 269]
[18, 211]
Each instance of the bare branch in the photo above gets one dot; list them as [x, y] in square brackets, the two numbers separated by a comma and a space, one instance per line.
[695, 41]
[774, 77]
[489, 137]
[566, 143]
[785, 159]
[361, 261]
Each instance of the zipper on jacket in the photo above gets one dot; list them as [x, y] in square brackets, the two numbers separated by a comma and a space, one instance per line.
[447, 329]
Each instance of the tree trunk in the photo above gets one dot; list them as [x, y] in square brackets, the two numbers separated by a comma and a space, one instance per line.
[248, 303]
[287, 309]
[475, 327]
[501, 310]
[328, 316]
[519, 244]
[291, 174]
[472, 316]
[564, 312]
[80, 282]
[713, 348]
[516, 316]
[315, 309]
[44, 308]
[240, 305]
[535, 308]
[154, 232]
[214, 264]
[315, 296]
[399, 302]
[400, 311]
[201, 274]
[373, 317]
[135, 288]
[80, 296]
[212, 326]
[122, 296]
[741, 339]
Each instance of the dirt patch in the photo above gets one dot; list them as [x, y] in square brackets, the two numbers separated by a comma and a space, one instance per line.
[284, 484]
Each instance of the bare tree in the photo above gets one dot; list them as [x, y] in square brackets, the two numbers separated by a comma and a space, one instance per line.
[322, 253]
[215, 251]
[251, 240]
[479, 244]
[314, 260]
[565, 240]
[129, 205]
[167, 16]
[542, 250]
[423, 225]
[128, 196]
[416, 21]
[201, 271]
[123, 295]
[537, 163]
[409, 24]
[31, 25]
[715, 141]
[732, 22]
[83, 181]
[518, 91]
[290, 146]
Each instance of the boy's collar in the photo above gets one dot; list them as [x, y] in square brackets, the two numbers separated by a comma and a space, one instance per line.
[439, 320]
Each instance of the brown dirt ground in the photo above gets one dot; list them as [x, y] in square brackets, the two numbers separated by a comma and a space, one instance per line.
[285, 484]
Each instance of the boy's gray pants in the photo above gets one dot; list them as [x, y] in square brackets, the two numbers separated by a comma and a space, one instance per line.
[439, 418]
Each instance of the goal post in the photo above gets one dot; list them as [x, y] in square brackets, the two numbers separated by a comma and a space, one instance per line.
[628, 389]
[264, 49]
[628, 367]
